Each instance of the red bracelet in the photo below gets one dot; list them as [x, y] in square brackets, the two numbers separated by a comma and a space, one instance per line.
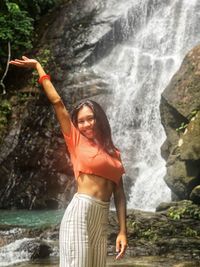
[46, 76]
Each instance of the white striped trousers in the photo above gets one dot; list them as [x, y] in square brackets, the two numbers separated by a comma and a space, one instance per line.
[83, 233]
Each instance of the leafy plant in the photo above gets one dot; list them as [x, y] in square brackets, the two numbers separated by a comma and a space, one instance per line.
[5, 112]
[5, 108]
[17, 20]
[15, 34]
[44, 57]
[36, 8]
[187, 210]
[190, 232]
[151, 235]
[192, 114]
[182, 127]
[16, 27]
[23, 97]
[176, 213]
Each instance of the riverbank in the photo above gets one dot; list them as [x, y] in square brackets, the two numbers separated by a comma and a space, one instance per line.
[126, 262]
[172, 233]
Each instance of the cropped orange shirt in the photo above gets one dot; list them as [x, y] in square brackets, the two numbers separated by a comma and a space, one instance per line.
[88, 157]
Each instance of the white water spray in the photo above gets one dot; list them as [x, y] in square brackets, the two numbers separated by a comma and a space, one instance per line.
[11, 253]
[138, 70]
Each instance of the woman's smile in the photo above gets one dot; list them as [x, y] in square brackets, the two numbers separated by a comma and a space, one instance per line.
[86, 122]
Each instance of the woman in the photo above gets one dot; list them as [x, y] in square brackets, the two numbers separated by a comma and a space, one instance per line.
[98, 171]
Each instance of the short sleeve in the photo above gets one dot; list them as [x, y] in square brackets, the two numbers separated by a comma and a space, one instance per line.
[72, 139]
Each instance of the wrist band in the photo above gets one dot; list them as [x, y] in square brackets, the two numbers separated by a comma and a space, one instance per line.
[46, 76]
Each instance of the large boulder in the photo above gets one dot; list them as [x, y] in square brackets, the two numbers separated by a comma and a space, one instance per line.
[36, 249]
[180, 117]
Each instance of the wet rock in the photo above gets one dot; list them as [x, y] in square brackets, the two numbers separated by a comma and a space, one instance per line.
[173, 230]
[195, 194]
[190, 140]
[181, 177]
[37, 249]
[180, 117]
[30, 172]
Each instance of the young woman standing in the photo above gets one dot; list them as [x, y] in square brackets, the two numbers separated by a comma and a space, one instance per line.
[98, 171]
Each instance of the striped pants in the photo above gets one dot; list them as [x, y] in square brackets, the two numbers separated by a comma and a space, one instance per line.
[83, 233]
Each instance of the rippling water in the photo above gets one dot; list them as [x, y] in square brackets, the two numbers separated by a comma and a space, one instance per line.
[11, 255]
[30, 218]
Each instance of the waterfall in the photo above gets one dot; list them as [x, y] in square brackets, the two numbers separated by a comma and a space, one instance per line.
[137, 70]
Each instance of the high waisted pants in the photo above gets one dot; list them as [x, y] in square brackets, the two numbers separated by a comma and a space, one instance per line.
[83, 233]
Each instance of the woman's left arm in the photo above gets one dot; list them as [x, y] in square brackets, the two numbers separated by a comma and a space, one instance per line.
[120, 204]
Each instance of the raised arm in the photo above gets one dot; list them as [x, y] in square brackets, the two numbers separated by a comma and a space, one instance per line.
[120, 203]
[50, 91]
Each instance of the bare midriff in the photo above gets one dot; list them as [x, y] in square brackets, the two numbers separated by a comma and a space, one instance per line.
[95, 186]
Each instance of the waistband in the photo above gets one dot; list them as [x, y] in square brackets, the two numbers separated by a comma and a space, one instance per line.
[92, 199]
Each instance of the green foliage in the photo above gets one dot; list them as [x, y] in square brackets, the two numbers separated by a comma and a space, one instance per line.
[182, 127]
[23, 97]
[5, 112]
[133, 226]
[190, 232]
[15, 26]
[5, 108]
[150, 234]
[45, 57]
[36, 8]
[17, 18]
[188, 210]
[192, 114]
[176, 213]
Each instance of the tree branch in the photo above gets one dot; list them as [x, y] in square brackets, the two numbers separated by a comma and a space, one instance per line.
[6, 70]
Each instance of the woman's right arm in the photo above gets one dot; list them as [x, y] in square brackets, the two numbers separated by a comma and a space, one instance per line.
[50, 91]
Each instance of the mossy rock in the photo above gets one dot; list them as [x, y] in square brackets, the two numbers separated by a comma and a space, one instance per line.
[195, 195]
[190, 147]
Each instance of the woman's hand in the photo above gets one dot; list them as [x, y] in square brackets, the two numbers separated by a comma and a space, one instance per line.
[121, 245]
[120, 203]
[25, 62]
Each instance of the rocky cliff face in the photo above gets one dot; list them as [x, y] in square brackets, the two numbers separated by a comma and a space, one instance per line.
[35, 170]
[180, 115]
[34, 166]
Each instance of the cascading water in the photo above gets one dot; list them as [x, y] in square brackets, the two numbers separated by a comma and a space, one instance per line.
[138, 70]
[157, 35]
[11, 254]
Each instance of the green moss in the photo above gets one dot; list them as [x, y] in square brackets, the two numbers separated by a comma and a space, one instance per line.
[189, 232]
[5, 108]
[5, 113]
[184, 125]
[150, 235]
[47, 60]
[15, 102]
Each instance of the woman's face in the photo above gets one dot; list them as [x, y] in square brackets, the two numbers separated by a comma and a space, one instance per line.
[86, 122]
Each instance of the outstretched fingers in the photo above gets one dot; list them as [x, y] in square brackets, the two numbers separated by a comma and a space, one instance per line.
[24, 62]
[17, 62]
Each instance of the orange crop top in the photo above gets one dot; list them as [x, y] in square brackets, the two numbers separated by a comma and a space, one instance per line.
[88, 157]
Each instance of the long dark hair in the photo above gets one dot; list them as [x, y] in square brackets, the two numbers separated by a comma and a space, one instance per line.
[102, 125]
